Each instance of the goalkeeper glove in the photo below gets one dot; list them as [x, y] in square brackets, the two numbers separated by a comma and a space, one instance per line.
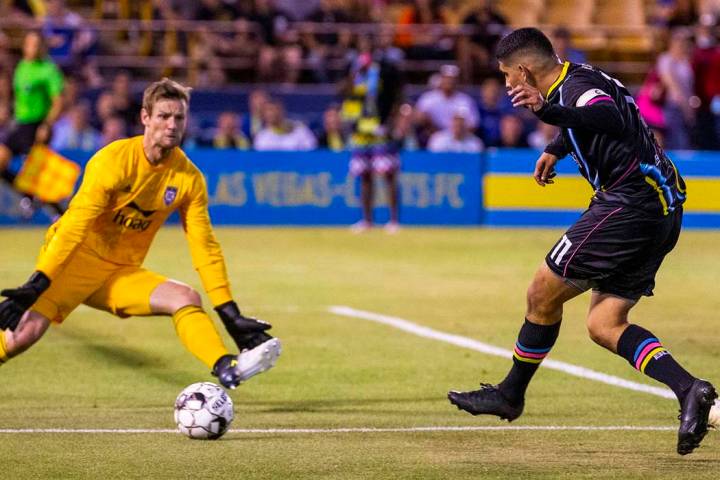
[20, 299]
[247, 332]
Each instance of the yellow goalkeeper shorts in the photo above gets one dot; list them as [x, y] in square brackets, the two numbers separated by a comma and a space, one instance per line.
[119, 289]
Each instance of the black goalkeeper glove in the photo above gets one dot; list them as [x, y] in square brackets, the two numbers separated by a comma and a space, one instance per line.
[247, 332]
[20, 299]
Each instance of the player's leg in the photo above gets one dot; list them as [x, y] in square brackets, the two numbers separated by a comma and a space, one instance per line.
[31, 328]
[545, 298]
[361, 167]
[258, 350]
[387, 165]
[193, 326]
[139, 292]
[609, 327]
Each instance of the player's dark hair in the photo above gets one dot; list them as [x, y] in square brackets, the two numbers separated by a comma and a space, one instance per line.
[526, 41]
[164, 89]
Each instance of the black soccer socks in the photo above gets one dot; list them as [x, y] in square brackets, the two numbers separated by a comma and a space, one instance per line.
[533, 344]
[645, 353]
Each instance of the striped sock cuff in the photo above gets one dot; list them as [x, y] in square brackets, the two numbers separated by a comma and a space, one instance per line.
[530, 355]
[646, 351]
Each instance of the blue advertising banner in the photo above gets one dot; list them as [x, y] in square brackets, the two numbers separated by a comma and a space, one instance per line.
[314, 188]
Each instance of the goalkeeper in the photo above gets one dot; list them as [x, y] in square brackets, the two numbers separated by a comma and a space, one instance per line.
[93, 254]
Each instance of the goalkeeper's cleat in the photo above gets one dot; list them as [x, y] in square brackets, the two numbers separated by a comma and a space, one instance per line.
[714, 417]
[694, 416]
[486, 401]
[233, 370]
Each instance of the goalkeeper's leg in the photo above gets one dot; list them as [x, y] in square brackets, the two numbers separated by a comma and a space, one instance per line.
[30, 329]
[199, 335]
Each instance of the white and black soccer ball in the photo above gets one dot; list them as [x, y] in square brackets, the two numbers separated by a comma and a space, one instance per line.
[203, 411]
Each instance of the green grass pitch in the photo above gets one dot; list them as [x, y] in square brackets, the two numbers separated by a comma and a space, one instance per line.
[99, 372]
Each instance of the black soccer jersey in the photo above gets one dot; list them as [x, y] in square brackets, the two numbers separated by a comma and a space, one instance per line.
[615, 151]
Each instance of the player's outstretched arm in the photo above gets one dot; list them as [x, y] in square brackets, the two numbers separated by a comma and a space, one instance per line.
[247, 332]
[20, 299]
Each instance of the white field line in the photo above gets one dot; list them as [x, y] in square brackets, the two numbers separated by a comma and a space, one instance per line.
[580, 428]
[471, 344]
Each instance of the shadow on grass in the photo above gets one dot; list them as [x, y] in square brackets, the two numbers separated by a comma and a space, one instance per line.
[140, 362]
[336, 405]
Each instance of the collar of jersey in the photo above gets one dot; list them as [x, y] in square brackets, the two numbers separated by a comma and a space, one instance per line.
[559, 80]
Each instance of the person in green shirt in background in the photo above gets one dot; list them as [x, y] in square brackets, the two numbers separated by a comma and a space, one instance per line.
[37, 85]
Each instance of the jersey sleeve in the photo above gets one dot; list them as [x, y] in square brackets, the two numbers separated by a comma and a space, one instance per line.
[585, 104]
[91, 200]
[205, 250]
[557, 147]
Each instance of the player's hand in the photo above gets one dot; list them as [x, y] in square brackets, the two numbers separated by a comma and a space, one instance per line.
[247, 332]
[42, 134]
[545, 169]
[20, 299]
[525, 95]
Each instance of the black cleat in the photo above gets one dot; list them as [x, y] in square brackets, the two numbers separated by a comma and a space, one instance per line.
[225, 369]
[486, 401]
[694, 416]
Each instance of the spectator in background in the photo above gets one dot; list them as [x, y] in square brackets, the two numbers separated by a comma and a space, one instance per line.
[403, 136]
[512, 132]
[125, 104]
[562, 42]
[281, 133]
[70, 40]
[493, 105]
[371, 91]
[113, 129]
[676, 74]
[228, 133]
[38, 85]
[475, 52]
[542, 135]
[252, 123]
[215, 10]
[457, 139]
[321, 46]
[706, 68]
[651, 102]
[435, 108]
[332, 136]
[7, 60]
[104, 109]
[76, 133]
[424, 41]
[280, 56]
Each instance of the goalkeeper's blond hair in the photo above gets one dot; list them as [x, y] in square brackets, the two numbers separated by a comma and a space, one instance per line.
[164, 89]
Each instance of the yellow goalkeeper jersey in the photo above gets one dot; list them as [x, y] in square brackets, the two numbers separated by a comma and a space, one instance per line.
[122, 203]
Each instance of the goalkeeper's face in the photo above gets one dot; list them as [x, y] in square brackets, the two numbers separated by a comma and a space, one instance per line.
[165, 125]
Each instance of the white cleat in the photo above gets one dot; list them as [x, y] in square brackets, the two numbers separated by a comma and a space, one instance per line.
[714, 418]
[258, 360]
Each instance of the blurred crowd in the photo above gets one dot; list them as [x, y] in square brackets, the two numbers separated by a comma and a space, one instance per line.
[285, 41]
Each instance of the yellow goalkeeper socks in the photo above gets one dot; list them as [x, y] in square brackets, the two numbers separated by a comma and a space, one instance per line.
[199, 335]
[3, 348]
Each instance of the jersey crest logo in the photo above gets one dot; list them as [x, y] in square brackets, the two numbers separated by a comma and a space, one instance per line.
[170, 194]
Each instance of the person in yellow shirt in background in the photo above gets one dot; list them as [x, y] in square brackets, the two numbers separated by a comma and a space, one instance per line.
[94, 253]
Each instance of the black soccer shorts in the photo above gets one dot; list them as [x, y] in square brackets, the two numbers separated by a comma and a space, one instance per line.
[615, 249]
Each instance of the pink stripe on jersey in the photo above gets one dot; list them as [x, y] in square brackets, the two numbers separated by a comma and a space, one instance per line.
[588, 236]
[632, 167]
[603, 98]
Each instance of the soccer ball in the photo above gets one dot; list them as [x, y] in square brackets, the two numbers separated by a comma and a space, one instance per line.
[203, 411]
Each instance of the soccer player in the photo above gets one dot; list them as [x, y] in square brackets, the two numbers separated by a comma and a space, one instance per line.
[93, 254]
[617, 245]
[37, 85]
